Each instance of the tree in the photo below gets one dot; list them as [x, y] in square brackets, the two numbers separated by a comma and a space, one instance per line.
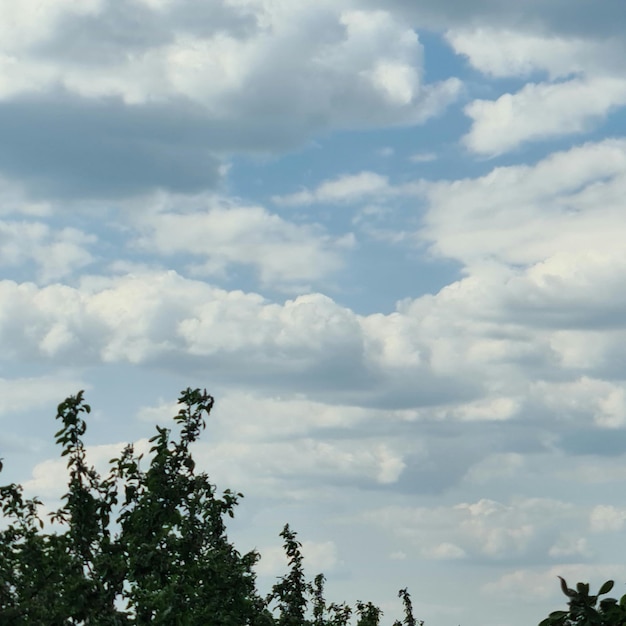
[147, 546]
[584, 609]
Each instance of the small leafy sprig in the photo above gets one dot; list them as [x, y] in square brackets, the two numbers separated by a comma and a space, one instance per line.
[584, 609]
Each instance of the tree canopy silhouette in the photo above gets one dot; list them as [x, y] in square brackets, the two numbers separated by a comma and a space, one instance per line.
[148, 546]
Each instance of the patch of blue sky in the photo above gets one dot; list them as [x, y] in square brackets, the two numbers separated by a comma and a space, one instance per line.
[380, 269]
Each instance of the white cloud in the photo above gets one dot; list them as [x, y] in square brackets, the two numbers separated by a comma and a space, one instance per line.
[445, 552]
[26, 394]
[57, 253]
[304, 328]
[542, 250]
[585, 84]
[522, 215]
[360, 67]
[31, 21]
[569, 546]
[153, 317]
[345, 188]
[540, 583]
[351, 187]
[606, 518]
[541, 111]
[423, 157]
[14, 199]
[397, 81]
[597, 470]
[277, 467]
[499, 466]
[601, 400]
[503, 52]
[486, 529]
[160, 414]
[261, 418]
[398, 555]
[484, 410]
[222, 236]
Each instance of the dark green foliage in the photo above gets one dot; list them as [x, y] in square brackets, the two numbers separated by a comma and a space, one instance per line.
[369, 614]
[584, 609]
[291, 590]
[147, 546]
[409, 619]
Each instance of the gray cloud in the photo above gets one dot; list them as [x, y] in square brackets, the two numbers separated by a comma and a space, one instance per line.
[62, 145]
[125, 28]
[588, 441]
[110, 100]
[568, 17]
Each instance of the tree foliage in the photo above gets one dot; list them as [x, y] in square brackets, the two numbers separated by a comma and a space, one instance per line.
[148, 546]
[585, 610]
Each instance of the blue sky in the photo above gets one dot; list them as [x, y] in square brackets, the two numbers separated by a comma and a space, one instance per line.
[387, 236]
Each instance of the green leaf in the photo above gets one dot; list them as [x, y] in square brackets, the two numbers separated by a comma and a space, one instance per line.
[566, 590]
[606, 587]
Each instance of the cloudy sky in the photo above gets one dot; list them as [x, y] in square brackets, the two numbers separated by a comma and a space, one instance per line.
[387, 235]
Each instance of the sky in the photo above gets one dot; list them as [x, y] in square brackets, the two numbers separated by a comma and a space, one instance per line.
[387, 236]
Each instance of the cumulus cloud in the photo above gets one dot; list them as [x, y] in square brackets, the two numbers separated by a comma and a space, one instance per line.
[25, 394]
[541, 111]
[487, 529]
[346, 188]
[503, 52]
[278, 467]
[225, 235]
[149, 318]
[445, 552]
[31, 22]
[124, 108]
[56, 253]
[522, 215]
[14, 200]
[282, 417]
[606, 518]
[501, 465]
[541, 247]
[265, 446]
[566, 17]
[585, 84]
[602, 400]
